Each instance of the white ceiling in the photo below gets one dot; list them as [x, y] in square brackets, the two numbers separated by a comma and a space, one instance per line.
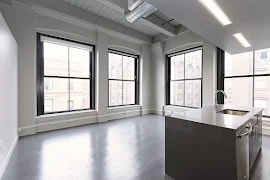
[107, 12]
[251, 17]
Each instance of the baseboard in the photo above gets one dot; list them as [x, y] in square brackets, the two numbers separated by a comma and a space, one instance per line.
[43, 126]
[5, 163]
[27, 130]
[157, 112]
[56, 125]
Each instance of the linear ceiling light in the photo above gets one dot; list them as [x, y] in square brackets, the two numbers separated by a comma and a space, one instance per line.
[242, 40]
[215, 9]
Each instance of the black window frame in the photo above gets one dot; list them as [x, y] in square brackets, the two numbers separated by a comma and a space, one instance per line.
[136, 79]
[222, 77]
[40, 75]
[168, 76]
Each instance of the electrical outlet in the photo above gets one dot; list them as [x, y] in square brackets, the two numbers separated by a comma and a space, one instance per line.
[1, 144]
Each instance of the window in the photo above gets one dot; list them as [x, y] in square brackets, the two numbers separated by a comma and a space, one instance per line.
[184, 78]
[247, 79]
[70, 85]
[264, 55]
[70, 104]
[123, 79]
[48, 84]
[62, 65]
[48, 105]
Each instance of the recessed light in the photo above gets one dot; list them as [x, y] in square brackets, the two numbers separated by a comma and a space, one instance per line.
[242, 39]
[215, 9]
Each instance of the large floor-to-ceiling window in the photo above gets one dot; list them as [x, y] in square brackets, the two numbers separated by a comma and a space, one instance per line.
[184, 78]
[247, 79]
[123, 79]
[65, 75]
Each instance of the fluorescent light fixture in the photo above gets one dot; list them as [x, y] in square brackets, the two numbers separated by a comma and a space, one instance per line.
[215, 9]
[242, 40]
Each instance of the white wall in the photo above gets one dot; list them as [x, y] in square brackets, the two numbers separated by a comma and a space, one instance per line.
[8, 93]
[183, 41]
[24, 22]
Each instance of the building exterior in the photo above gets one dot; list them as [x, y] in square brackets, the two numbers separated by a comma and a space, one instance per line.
[186, 77]
[61, 92]
[253, 67]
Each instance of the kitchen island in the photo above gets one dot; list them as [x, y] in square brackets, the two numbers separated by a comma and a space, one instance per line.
[213, 143]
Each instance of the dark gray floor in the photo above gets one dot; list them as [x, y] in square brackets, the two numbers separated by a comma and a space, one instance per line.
[127, 149]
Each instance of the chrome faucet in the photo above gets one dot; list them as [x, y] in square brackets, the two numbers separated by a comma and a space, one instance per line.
[219, 91]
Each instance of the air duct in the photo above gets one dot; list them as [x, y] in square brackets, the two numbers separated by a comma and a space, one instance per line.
[132, 4]
[142, 10]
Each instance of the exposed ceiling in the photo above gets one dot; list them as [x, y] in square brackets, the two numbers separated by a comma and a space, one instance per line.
[102, 8]
[166, 18]
[250, 17]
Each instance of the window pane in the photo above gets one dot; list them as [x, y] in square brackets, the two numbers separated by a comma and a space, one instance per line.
[48, 105]
[193, 93]
[79, 60]
[115, 66]
[115, 93]
[128, 68]
[129, 92]
[55, 60]
[262, 93]
[59, 95]
[79, 94]
[193, 65]
[177, 93]
[262, 61]
[239, 64]
[177, 67]
[239, 91]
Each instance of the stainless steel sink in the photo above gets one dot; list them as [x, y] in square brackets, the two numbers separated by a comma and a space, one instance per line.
[233, 112]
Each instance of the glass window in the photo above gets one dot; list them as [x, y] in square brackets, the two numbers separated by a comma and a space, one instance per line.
[48, 84]
[67, 75]
[239, 91]
[245, 87]
[262, 63]
[185, 79]
[70, 105]
[48, 105]
[234, 64]
[123, 81]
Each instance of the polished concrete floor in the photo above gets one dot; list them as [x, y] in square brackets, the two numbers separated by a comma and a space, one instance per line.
[127, 149]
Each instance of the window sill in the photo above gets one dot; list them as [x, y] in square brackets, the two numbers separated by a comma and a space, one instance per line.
[58, 116]
[124, 107]
[266, 119]
[171, 107]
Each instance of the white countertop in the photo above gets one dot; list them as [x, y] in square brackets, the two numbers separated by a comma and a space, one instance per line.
[208, 115]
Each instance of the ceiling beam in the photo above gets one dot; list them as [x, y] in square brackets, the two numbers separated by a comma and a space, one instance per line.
[156, 23]
[151, 21]
[162, 37]
[73, 12]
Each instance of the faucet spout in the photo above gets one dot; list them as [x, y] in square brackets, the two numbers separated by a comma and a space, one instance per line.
[216, 100]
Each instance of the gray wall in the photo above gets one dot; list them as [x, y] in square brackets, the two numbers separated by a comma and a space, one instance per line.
[8, 93]
[24, 22]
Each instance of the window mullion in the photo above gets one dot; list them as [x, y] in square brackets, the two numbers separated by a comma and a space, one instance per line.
[253, 84]
[184, 88]
[68, 78]
[122, 80]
